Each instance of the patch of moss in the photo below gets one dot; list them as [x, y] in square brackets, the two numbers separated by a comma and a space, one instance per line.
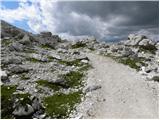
[148, 48]
[73, 79]
[7, 101]
[51, 85]
[61, 105]
[78, 45]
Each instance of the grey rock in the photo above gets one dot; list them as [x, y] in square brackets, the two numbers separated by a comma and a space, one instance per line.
[23, 110]
[92, 88]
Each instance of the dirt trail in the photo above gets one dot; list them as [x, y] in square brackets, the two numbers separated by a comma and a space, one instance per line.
[125, 93]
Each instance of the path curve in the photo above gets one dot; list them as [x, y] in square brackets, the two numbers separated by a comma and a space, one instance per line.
[125, 93]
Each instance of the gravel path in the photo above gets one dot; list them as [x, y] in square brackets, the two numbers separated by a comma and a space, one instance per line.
[124, 92]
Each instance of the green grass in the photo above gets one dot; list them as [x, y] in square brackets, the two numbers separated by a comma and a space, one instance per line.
[148, 48]
[7, 101]
[61, 105]
[78, 45]
[51, 85]
[73, 79]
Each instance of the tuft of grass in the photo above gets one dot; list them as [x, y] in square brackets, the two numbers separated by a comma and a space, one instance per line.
[148, 48]
[61, 105]
[7, 101]
[78, 45]
[51, 85]
[73, 79]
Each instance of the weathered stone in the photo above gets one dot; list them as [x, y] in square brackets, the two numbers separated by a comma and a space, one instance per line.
[92, 88]
[16, 47]
[46, 34]
[18, 69]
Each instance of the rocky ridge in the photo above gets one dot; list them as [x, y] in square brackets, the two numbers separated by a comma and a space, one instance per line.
[41, 74]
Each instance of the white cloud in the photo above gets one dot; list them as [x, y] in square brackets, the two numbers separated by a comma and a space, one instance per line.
[48, 15]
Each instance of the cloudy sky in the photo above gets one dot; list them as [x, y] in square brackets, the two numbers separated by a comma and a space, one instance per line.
[108, 21]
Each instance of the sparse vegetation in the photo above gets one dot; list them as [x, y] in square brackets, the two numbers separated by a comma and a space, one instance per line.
[78, 45]
[46, 46]
[130, 62]
[51, 85]
[61, 105]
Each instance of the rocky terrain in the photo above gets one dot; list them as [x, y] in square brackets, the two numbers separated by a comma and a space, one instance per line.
[43, 76]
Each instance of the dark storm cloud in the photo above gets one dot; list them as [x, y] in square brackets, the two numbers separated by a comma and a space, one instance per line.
[136, 16]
